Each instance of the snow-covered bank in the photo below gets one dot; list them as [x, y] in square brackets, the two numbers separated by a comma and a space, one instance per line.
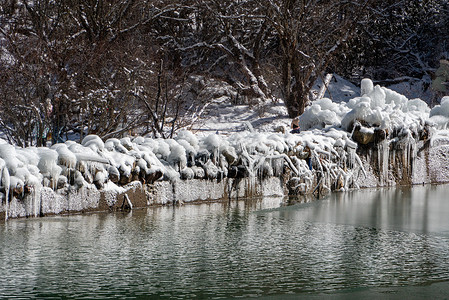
[380, 138]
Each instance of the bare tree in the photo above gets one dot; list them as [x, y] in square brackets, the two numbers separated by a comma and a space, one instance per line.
[74, 57]
[223, 39]
[237, 40]
[310, 34]
[399, 41]
[28, 69]
[111, 67]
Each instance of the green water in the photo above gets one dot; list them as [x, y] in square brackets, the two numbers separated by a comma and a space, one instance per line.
[389, 243]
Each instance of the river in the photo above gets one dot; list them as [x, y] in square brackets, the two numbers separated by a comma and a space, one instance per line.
[372, 243]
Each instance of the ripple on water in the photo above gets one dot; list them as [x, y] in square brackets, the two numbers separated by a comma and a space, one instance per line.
[218, 250]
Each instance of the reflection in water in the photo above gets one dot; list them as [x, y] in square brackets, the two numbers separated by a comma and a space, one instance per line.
[419, 209]
[388, 238]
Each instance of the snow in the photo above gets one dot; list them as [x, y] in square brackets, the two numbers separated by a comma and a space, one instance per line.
[65, 157]
[377, 107]
[366, 86]
[439, 115]
[254, 143]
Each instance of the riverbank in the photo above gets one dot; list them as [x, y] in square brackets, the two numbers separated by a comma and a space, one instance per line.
[429, 166]
[378, 139]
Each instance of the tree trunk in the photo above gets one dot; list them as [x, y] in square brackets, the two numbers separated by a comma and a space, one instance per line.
[296, 90]
[296, 100]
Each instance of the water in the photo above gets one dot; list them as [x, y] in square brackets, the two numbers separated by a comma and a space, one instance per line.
[389, 242]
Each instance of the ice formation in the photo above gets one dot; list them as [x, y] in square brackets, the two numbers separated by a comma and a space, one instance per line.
[380, 124]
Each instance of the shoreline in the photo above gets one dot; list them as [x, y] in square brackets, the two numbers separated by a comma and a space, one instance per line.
[426, 169]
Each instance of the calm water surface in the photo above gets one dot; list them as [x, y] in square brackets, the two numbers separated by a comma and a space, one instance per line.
[390, 243]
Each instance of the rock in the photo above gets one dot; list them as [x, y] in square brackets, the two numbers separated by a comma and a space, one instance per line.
[199, 172]
[153, 176]
[232, 172]
[240, 171]
[62, 182]
[380, 135]
[135, 174]
[17, 191]
[211, 170]
[230, 155]
[124, 179]
[187, 173]
[203, 156]
[114, 174]
[363, 135]
[296, 186]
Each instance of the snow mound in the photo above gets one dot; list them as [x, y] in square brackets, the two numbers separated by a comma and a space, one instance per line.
[439, 115]
[376, 107]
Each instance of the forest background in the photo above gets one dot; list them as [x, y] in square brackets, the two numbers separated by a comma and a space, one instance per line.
[119, 67]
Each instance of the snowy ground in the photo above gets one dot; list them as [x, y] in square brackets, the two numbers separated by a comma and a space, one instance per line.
[224, 118]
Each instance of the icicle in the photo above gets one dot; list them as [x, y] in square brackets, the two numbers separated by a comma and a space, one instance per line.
[279, 163]
[36, 196]
[393, 157]
[314, 154]
[290, 164]
[245, 154]
[6, 181]
[259, 168]
[382, 157]
[359, 161]
[411, 153]
[351, 158]
[351, 147]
